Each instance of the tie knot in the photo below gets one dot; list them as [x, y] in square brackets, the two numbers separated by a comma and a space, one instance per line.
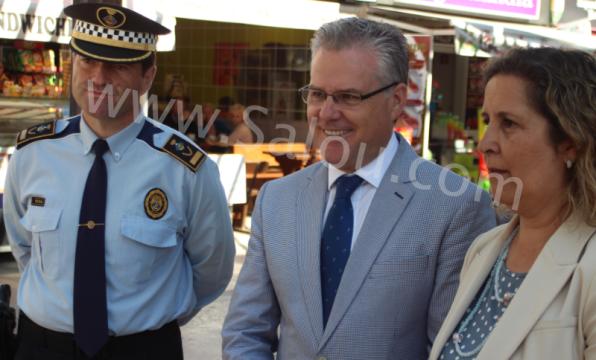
[100, 146]
[346, 185]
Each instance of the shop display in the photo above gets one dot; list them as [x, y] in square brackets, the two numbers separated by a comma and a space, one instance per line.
[32, 87]
[410, 122]
[30, 73]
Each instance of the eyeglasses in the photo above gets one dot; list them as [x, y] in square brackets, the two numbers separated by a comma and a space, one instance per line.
[314, 96]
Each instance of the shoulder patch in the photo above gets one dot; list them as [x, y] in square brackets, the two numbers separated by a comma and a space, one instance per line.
[184, 151]
[37, 132]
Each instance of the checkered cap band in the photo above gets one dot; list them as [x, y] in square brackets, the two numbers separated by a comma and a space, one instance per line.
[114, 37]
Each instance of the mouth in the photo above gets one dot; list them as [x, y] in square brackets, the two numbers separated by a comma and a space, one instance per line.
[501, 172]
[329, 132]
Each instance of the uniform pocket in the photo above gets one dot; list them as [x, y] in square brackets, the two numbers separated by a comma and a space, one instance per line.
[146, 241]
[43, 222]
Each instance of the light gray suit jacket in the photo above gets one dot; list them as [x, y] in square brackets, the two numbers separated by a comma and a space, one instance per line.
[398, 283]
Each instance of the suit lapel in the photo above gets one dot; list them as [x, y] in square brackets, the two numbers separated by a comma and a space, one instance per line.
[310, 208]
[542, 284]
[392, 197]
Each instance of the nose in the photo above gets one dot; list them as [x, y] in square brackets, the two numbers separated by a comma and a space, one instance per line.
[488, 143]
[328, 109]
[100, 74]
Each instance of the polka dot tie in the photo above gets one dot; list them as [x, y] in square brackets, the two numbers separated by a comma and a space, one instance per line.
[337, 240]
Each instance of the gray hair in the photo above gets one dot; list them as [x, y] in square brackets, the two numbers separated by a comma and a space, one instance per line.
[386, 40]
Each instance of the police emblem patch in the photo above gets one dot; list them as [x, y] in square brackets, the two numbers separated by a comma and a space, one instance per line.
[110, 17]
[40, 131]
[156, 203]
[184, 151]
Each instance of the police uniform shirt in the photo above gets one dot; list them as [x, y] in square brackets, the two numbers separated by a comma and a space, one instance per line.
[168, 240]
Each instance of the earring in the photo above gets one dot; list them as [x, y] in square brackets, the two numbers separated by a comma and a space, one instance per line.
[569, 163]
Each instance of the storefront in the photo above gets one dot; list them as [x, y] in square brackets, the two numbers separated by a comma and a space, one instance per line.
[34, 64]
[253, 53]
[465, 33]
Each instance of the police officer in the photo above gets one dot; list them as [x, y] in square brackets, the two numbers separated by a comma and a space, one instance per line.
[118, 223]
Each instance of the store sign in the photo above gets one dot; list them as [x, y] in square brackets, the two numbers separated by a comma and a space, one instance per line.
[34, 27]
[35, 20]
[519, 9]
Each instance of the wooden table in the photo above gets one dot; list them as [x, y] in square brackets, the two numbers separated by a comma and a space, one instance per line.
[291, 161]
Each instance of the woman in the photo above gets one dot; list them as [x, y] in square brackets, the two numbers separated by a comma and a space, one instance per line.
[241, 133]
[528, 288]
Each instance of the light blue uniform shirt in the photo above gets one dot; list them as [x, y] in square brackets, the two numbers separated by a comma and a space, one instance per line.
[157, 270]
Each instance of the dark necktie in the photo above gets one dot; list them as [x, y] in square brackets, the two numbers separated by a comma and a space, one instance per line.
[89, 295]
[337, 240]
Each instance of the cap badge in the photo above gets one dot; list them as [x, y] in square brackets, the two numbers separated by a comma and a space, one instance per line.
[156, 204]
[110, 17]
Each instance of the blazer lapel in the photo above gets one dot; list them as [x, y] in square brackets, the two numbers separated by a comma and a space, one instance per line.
[470, 284]
[542, 284]
[386, 208]
[310, 209]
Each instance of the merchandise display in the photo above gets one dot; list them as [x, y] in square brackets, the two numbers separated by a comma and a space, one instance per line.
[30, 73]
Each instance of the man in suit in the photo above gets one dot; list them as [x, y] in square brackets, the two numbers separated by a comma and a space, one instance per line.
[356, 257]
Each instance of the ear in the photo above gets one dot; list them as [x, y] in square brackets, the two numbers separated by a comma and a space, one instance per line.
[148, 78]
[400, 95]
[567, 150]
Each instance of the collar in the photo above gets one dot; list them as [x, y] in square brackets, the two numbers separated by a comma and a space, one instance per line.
[372, 172]
[118, 143]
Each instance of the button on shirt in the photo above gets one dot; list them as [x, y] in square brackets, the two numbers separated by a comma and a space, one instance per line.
[372, 173]
[157, 270]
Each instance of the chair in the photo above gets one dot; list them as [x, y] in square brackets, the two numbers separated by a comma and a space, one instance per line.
[241, 210]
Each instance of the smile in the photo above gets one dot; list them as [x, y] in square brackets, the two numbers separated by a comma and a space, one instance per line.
[336, 132]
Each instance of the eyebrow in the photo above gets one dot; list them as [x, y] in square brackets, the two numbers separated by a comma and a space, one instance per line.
[349, 90]
[501, 114]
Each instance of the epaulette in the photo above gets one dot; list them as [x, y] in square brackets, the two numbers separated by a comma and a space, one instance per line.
[36, 132]
[184, 151]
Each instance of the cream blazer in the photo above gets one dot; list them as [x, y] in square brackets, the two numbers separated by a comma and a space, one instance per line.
[553, 314]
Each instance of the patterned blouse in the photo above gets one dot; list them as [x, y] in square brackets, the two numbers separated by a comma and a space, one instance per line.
[481, 317]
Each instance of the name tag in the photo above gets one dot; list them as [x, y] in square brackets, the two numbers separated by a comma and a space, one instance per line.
[38, 201]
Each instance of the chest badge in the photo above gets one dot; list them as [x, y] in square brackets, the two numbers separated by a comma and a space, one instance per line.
[156, 203]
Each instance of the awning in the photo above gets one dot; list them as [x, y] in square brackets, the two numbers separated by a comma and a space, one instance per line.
[476, 37]
[292, 14]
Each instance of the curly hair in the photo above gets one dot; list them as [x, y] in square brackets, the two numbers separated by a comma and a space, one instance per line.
[562, 88]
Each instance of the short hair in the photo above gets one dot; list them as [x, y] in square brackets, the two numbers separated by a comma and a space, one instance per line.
[148, 62]
[386, 40]
[561, 86]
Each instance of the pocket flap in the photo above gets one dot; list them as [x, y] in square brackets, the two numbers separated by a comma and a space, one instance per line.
[149, 232]
[38, 219]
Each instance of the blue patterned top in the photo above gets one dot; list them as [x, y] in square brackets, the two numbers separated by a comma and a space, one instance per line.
[481, 317]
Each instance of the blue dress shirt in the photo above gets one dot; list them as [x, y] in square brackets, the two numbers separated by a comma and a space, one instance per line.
[157, 270]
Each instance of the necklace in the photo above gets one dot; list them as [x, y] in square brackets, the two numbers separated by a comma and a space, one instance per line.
[494, 278]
